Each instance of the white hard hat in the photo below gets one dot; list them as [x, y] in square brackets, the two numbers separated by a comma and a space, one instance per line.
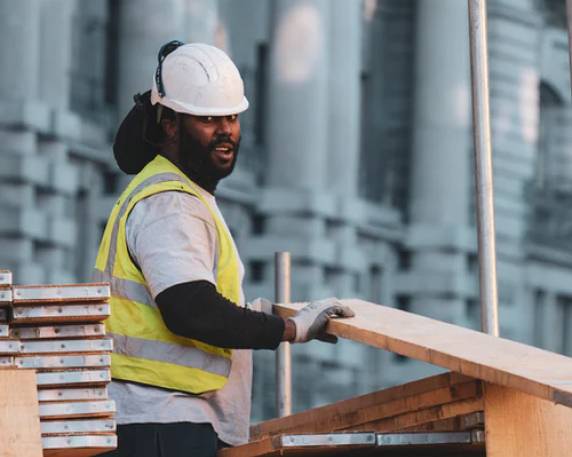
[201, 80]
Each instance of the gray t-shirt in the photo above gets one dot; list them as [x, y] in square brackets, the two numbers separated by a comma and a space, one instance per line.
[172, 237]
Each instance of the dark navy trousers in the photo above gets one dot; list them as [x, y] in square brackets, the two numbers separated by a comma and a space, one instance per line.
[166, 440]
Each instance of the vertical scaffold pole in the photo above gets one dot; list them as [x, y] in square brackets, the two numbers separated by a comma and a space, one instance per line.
[283, 353]
[483, 166]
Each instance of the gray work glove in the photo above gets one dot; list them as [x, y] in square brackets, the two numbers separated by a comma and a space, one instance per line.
[262, 306]
[311, 321]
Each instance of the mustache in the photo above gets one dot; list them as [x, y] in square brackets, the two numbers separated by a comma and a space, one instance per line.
[221, 139]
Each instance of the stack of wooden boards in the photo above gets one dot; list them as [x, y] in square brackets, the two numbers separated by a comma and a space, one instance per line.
[57, 331]
[446, 407]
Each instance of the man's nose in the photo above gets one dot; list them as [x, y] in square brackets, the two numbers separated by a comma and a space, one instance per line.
[223, 126]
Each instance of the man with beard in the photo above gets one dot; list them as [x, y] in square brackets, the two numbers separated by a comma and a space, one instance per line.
[181, 364]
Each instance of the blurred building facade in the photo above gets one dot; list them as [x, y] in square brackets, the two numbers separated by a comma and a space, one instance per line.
[356, 157]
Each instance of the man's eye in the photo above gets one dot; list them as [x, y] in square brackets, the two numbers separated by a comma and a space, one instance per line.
[207, 119]
[232, 117]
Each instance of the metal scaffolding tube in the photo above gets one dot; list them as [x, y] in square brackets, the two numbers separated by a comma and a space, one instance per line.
[569, 24]
[283, 353]
[483, 167]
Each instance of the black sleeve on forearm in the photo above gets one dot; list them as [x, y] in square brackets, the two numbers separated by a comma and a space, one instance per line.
[196, 310]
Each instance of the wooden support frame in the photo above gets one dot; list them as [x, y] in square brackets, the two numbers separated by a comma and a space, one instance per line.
[427, 393]
[19, 415]
[521, 425]
[524, 392]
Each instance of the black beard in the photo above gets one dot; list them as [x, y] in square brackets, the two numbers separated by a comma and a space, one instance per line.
[196, 160]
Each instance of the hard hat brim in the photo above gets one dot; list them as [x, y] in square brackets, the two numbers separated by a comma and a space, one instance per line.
[187, 108]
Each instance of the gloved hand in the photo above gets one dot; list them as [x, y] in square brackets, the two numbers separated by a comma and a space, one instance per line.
[311, 321]
[262, 306]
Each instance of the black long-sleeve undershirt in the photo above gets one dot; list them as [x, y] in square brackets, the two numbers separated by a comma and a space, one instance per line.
[196, 310]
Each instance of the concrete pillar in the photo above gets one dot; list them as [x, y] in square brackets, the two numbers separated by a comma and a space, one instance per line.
[441, 146]
[297, 135]
[344, 51]
[19, 54]
[145, 25]
[202, 23]
[55, 58]
[441, 139]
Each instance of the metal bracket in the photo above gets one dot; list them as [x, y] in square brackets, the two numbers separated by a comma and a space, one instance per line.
[79, 312]
[82, 409]
[65, 346]
[5, 278]
[474, 420]
[66, 361]
[72, 394]
[5, 297]
[82, 441]
[78, 426]
[87, 292]
[412, 439]
[61, 378]
[52, 332]
[329, 439]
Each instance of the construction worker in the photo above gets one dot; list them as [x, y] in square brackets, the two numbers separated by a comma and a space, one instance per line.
[181, 365]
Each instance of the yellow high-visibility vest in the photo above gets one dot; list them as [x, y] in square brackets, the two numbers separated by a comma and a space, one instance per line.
[145, 351]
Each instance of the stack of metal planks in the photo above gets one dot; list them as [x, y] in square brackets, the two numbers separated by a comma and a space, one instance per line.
[58, 332]
[9, 347]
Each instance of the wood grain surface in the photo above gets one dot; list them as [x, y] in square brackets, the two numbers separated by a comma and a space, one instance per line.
[506, 363]
[19, 415]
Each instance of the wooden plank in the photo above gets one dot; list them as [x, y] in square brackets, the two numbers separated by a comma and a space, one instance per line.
[519, 425]
[254, 449]
[376, 416]
[453, 424]
[424, 416]
[61, 293]
[533, 371]
[471, 421]
[325, 418]
[19, 417]
[76, 452]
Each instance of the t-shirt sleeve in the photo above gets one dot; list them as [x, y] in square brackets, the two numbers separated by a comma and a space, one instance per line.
[172, 238]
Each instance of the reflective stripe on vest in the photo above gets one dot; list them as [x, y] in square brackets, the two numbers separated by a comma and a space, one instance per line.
[145, 351]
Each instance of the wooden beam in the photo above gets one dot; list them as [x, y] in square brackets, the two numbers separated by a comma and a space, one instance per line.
[424, 416]
[19, 415]
[414, 395]
[263, 447]
[518, 425]
[507, 363]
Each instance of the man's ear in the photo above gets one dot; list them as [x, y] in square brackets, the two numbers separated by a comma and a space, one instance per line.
[170, 126]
